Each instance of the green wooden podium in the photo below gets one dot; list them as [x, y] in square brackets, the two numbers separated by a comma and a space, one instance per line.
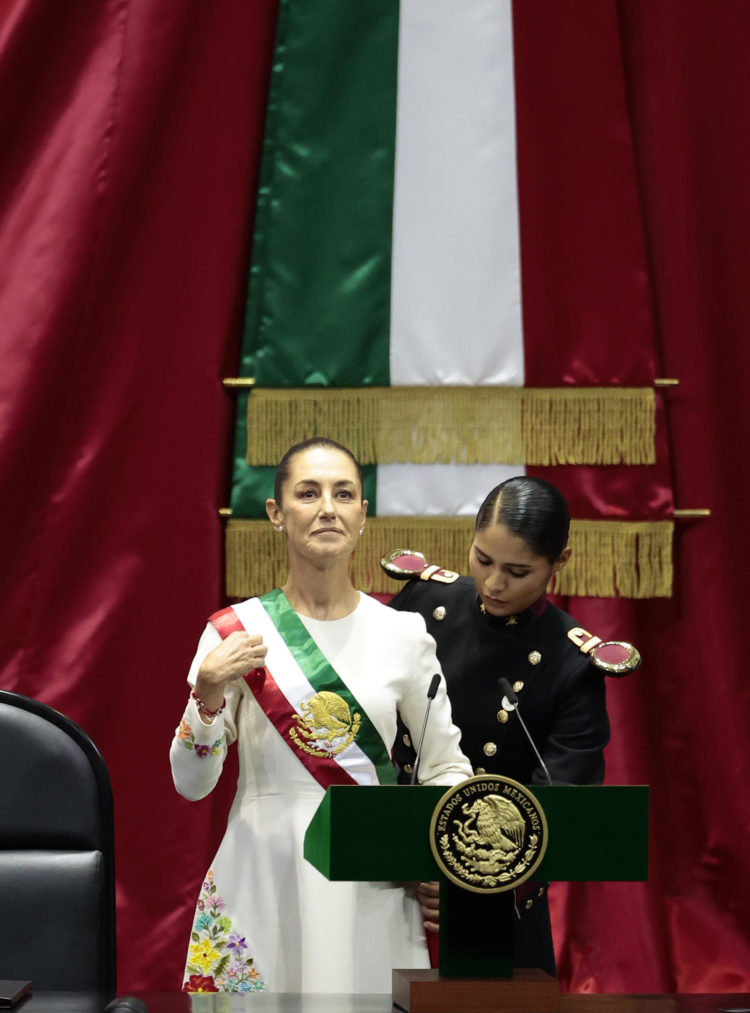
[595, 833]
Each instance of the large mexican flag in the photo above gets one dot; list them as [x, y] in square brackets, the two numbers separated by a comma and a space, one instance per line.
[448, 275]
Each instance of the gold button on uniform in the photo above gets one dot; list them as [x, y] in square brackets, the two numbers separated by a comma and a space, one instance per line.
[406, 740]
[479, 770]
[502, 716]
[535, 657]
[517, 686]
[408, 769]
[489, 748]
[439, 613]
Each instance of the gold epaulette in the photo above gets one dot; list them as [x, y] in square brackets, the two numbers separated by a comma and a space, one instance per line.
[405, 564]
[614, 657]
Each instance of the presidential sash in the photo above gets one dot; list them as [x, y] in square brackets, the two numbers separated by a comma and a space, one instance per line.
[305, 699]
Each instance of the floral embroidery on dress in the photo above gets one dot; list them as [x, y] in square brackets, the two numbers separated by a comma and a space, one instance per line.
[217, 956]
[185, 735]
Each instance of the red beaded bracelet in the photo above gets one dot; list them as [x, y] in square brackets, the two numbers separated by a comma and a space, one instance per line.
[207, 710]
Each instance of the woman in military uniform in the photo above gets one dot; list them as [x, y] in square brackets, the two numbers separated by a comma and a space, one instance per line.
[498, 623]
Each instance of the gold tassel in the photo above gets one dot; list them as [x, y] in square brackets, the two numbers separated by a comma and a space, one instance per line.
[463, 425]
[618, 559]
[610, 559]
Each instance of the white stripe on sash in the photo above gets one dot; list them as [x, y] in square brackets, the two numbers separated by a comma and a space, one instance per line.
[295, 686]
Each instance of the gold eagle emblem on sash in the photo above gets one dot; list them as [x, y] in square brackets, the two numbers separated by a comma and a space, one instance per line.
[325, 725]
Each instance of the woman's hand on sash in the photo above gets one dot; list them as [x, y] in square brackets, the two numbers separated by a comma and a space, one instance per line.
[234, 657]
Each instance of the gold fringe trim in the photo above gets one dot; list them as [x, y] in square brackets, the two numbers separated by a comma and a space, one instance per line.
[462, 425]
[610, 559]
[618, 559]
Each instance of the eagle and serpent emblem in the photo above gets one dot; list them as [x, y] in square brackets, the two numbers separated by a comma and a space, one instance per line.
[488, 834]
[325, 725]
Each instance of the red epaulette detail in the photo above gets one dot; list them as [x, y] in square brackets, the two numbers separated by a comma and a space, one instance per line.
[614, 657]
[404, 564]
[437, 573]
[583, 640]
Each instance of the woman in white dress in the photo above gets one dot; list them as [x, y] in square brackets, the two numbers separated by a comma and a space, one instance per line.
[307, 681]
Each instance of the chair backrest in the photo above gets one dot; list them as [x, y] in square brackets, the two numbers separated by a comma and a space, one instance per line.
[57, 889]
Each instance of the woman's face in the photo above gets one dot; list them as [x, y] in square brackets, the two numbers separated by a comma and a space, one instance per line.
[509, 576]
[321, 509]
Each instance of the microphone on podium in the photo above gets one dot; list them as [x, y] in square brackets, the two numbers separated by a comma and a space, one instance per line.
[510, 703]
[431, 692]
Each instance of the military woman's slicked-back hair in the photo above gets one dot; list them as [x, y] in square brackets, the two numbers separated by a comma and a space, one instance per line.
[532, 509]
[282, 471]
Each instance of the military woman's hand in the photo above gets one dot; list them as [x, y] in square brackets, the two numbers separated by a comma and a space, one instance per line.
[428, 895]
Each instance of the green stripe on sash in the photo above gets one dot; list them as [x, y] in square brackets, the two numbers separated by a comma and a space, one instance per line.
[322, 677]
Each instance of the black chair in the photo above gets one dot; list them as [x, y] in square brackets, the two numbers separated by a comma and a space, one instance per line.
[57, 884]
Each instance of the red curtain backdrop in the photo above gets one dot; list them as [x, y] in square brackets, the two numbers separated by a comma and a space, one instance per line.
[131, 140]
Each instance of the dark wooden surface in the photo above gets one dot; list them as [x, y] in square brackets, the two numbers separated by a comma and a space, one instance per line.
[268, 1002]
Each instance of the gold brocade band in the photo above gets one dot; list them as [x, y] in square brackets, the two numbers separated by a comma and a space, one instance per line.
[462, 425]
[610, 559]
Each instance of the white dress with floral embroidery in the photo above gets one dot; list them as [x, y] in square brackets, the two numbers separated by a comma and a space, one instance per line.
[265, 917]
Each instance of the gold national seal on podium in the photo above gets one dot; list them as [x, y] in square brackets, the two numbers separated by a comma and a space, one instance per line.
[488, 834]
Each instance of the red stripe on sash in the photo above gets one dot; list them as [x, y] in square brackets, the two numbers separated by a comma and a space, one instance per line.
[226, 621]
[277, 708]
